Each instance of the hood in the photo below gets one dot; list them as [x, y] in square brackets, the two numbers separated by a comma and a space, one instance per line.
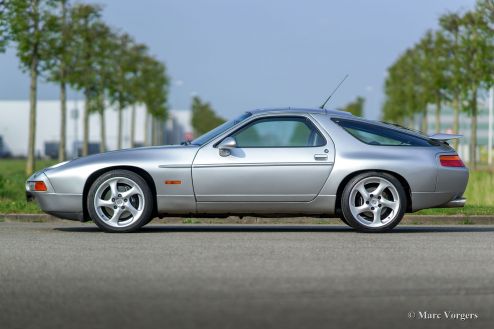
[161, 155]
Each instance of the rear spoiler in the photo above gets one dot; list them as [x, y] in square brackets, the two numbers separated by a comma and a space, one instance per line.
[445, 137]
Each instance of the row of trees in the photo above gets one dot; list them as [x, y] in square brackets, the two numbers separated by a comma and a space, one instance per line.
[70, 45]
[452, 65]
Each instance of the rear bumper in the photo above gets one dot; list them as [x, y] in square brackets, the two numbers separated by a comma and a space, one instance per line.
[424, 200]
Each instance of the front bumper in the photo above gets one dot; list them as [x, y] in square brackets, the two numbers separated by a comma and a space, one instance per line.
[66, 206]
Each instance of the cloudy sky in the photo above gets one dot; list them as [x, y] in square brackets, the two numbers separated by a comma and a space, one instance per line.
[244, 54]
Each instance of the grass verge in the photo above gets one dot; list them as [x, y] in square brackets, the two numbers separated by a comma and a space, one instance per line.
[12, 188]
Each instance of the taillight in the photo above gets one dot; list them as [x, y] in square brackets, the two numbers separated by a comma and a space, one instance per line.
[451, 161]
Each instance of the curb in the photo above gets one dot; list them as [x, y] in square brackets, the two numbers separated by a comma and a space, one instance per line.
[407, 220]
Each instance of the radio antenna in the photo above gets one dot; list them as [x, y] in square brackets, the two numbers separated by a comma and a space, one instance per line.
[331, 95]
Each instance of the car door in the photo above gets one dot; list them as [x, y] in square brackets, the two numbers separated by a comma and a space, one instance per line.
[276, 159]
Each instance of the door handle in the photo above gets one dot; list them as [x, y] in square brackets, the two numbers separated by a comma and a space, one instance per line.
[320, 156]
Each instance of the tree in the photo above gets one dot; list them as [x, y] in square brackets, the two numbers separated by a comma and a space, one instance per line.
[433, 51]
[405, 89]
[451, 23]
[58, 64]
[138, 52]
[87, 26]
[104, 62]
[356, 107]
[476, 53]
[121, 91]
[154, 86]
[203, 116]
[27, 25]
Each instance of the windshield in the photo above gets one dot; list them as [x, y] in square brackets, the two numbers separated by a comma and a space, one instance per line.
[219, 130]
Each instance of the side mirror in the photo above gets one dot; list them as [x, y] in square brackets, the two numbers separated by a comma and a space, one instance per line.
[226, 146]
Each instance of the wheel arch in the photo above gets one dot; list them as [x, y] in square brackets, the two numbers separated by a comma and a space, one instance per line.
[94, 176]
[400, 178]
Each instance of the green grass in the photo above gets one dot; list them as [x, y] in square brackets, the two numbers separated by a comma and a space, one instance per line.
[191, 221]
[468, 210]
[13, 198]
[12, 188]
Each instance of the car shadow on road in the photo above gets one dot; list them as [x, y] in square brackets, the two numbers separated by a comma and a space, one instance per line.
[285, 228]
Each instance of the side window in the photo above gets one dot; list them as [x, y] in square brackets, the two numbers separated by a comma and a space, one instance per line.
[379, 135]
[279, 132]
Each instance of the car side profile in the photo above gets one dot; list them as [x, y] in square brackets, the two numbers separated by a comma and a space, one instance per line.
[267, 162]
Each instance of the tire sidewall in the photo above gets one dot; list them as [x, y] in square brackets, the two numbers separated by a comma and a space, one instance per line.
[146, 216]
[345, 202]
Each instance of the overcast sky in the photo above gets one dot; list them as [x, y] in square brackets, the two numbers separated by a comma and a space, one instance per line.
[245, 54]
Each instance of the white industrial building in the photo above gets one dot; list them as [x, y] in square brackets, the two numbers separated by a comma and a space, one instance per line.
[14, 122]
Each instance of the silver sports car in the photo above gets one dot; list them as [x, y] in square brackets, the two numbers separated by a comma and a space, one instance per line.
[268, 162]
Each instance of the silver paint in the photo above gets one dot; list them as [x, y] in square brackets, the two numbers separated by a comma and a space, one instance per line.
[263, 181]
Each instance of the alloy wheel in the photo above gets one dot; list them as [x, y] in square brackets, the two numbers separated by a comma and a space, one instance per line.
[374, 202]
[119, 202]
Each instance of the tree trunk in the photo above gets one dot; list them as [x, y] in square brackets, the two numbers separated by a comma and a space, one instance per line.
[146, 129]
[473, 131]
[31, 148]
[456, 119]
[438, 114]
[424, 122]
[120, 125]
[133, 127]
[411, 122]
[63, 121]
[154, 131]
[85, 139]
[102, 130]
[62, 146]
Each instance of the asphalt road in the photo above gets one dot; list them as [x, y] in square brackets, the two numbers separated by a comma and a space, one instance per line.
[69, 275]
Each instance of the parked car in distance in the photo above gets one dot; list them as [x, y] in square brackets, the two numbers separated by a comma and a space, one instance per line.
[266, 162]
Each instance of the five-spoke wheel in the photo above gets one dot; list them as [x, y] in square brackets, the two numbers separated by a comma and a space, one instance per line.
[120, 201]
[373, 202]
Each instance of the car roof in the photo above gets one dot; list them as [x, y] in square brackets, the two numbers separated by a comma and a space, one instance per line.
[334, 114]
[284, 110]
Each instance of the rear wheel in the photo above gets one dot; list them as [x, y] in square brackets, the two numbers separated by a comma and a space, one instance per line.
[373, 202]
[339, 214]
[120, 201]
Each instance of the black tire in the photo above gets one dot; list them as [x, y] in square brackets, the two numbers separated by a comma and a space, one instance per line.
[339, 214]
[397, 214]
[146, 214]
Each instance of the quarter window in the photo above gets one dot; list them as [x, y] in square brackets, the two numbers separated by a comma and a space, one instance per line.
[279, 132]
[378, 135]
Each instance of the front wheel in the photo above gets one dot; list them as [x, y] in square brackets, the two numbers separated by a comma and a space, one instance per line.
[120, 201]
[373, 202]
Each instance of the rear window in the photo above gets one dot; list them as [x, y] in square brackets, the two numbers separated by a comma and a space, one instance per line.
[378, 135]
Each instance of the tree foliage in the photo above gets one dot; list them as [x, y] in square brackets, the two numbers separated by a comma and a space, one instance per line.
[203, 116]
[4, 26]
[69, 44]
[449, 66]
[356, 107]
[28, 28]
